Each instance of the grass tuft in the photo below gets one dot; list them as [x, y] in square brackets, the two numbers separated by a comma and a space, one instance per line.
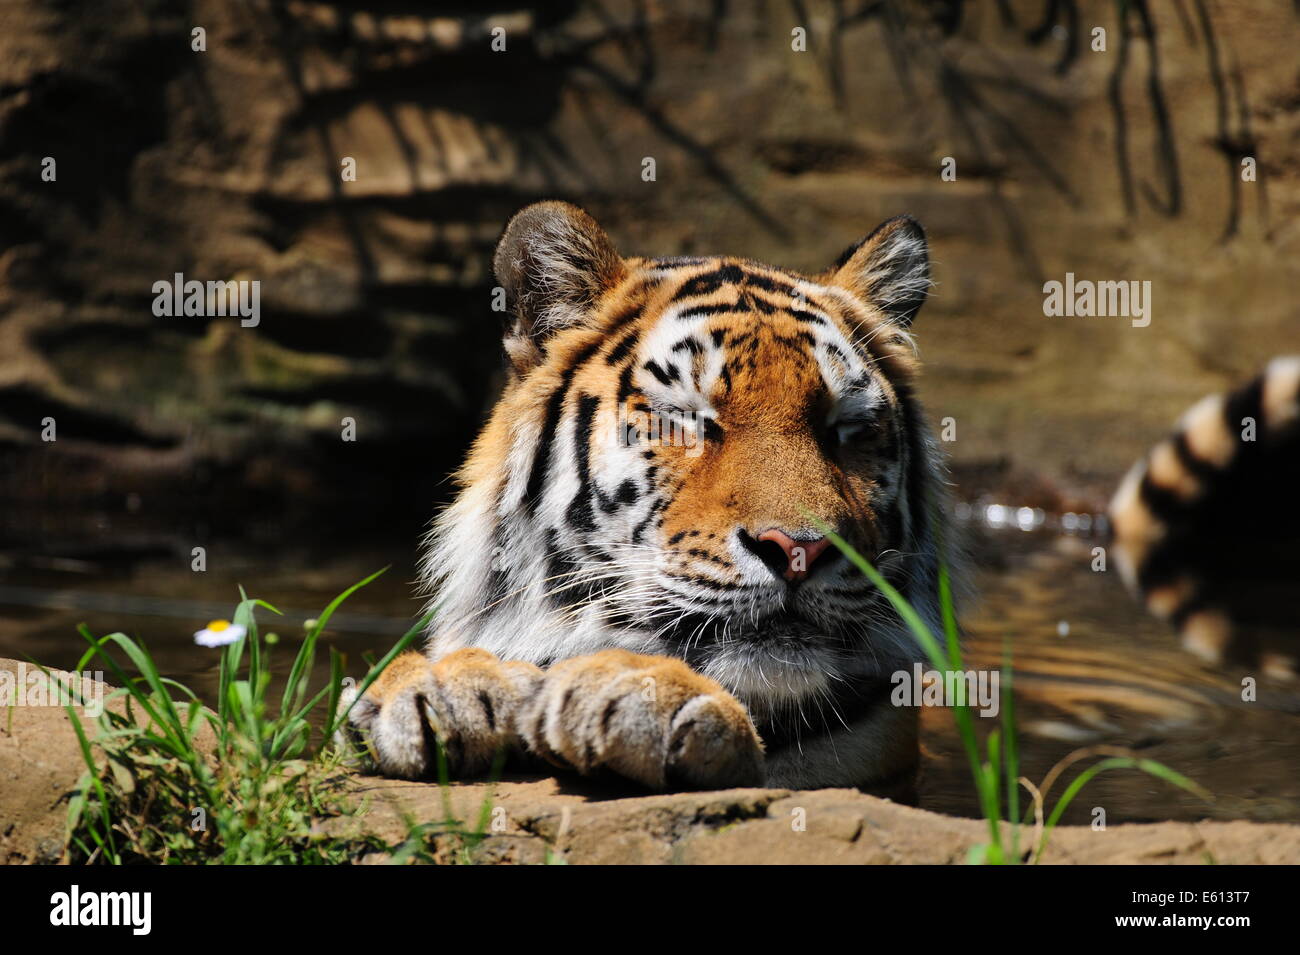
[247, 782]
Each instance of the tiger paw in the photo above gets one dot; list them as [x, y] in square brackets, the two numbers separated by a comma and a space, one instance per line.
[463, 702]
[647, 718]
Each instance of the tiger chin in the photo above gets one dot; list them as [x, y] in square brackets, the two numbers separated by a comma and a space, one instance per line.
[635, 577]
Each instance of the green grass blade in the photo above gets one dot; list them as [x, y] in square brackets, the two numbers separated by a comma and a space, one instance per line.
[104, 839]
[1151, 767]
[295, 689]
[1011, 758]
[157, 703]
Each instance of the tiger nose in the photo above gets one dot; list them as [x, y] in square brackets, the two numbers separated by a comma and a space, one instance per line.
[800, 555]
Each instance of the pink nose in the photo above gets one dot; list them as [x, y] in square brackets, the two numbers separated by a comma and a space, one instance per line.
[799, 555]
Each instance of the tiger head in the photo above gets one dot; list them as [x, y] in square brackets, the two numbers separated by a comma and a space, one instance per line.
[675, 438]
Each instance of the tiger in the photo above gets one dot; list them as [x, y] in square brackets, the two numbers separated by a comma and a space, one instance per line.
[664, 605]
[1205, 529]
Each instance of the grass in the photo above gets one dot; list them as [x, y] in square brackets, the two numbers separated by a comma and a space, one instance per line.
[254, 781]
[995, 767]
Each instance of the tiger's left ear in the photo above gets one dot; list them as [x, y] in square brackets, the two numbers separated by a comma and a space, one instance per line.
[890, 268]
[554, 262]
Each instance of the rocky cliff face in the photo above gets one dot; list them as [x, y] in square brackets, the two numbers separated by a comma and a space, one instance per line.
[231, 162]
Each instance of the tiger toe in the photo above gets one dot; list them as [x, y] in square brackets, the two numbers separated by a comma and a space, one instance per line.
[646, 718]
[461, 706]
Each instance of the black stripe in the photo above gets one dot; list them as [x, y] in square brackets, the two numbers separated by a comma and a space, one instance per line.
[804, 316]
[580, 514]
[708, 583]
[625, 388]
[1246, 403]
[554, 406]
[1164, 503]
[698, 311]
[838, 352]
[665, 377]
[624, 346]
[626, 493]
[1199, 467]
[710, 281]
[769, 284]
[655, 508]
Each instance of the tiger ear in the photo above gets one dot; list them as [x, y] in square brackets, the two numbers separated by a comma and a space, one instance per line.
[890, 268]
[554, 262]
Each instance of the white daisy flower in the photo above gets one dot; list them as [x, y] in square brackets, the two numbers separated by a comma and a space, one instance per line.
[218, 633]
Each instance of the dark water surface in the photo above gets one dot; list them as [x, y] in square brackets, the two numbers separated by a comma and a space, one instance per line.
[1090, 668]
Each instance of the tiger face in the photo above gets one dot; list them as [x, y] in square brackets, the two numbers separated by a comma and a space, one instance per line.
[675, 438]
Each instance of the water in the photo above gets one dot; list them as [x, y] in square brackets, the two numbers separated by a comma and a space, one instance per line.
[1090, 668]
[160, 601]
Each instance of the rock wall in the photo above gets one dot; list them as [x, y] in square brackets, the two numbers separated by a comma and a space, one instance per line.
[226, 163]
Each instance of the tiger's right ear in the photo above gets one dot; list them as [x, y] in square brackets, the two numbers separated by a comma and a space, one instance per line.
[554, 262]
